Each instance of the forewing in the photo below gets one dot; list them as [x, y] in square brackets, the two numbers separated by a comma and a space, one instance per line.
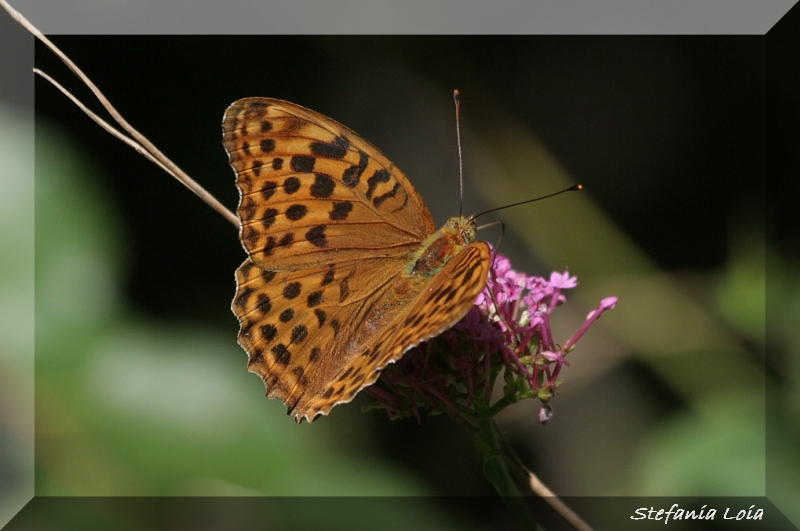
[313, 192]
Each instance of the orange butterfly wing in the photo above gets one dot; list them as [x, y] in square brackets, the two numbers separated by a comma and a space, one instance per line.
[328, 295]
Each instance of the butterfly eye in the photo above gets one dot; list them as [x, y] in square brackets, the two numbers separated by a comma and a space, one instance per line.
[468, 234]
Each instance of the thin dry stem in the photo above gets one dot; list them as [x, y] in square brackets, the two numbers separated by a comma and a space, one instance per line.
[102, 123]
[522, 474]
[555, 502]
[139, 142]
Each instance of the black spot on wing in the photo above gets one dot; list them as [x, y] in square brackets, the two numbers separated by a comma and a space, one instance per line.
[241, 298]
[334, 150]
[344, 286]
[291, 185]
[296, 212]
[314, 299]
[388, 195]
[291, 290]
[268, 189]
[302, 163]
[340, 210]
[380, 176]
[352, 175]
[268, 332]
[286, 240]
[248, 208]
[329, 275]
[299, 333]
[269, 247]
[264, 303]
[321, 316]
[282, 354]
[316, 236]
[323, 186]
[267, 145]
[269, 217]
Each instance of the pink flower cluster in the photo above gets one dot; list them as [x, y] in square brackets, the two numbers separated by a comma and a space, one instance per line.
[507, 332]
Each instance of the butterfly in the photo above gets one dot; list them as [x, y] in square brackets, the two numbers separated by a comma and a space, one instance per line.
[345, 269]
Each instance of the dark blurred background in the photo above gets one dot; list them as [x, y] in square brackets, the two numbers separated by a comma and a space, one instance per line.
[667, 134]
[142, 390]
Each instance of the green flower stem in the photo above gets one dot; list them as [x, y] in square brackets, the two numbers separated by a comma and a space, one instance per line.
[488, 442]
[506, 401]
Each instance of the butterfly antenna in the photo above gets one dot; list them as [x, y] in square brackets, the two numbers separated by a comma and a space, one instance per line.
[457, 101]
[573, 188]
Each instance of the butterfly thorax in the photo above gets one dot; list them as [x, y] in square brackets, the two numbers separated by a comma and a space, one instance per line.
[439, 247]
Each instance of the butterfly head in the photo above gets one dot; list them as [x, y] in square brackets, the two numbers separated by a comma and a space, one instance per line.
[461, 229]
